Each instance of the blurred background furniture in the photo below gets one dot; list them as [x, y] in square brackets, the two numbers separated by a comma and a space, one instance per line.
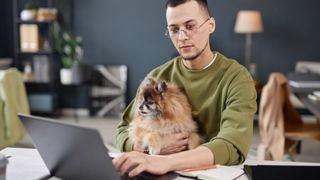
[248, 22]
[303, 83]
[307, 67]
[108, 91]
[33, 53]
[281, 127]
[13, 100]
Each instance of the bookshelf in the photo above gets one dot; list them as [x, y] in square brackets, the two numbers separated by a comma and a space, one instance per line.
[33, 46]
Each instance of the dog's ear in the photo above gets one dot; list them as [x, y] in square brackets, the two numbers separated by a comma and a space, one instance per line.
[150, 82]
[161, 87]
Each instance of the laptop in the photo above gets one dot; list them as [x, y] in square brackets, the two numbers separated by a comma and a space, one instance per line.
[73, 152]
[279, 172]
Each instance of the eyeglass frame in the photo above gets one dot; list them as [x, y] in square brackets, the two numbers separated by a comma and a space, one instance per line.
[186, 31]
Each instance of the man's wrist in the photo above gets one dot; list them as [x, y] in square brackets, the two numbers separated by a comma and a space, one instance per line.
[170, 162]
[185, 159]
[138, 147]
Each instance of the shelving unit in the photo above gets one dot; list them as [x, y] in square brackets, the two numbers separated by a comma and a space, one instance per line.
[42, 90]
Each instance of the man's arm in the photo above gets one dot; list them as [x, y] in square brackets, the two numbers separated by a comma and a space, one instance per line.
[162, 164]
[122, 139]
[232, 143]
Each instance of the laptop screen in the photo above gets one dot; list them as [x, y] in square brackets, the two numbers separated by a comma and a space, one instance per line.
[70, 151]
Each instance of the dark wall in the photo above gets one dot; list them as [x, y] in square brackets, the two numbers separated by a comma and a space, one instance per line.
[124, 32]
[6, 26]
[132, 33]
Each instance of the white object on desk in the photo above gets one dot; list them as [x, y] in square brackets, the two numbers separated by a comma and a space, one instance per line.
[24, 164]
[218, 173]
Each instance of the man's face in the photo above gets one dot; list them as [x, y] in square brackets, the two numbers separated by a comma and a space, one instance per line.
[189, 28]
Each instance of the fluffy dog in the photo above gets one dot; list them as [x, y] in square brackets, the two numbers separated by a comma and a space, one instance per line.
[163, 109]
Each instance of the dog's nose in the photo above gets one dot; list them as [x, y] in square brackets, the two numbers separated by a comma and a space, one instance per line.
[141, 107]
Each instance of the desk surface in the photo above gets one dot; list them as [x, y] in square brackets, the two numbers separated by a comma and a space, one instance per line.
[27, 164]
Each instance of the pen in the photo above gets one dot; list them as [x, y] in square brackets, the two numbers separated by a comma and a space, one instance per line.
[204, 167]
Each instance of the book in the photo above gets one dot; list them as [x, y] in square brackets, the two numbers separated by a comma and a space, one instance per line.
[216, 172]
[29, 38]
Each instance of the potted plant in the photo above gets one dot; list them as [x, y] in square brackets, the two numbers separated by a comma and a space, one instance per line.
[69, 48]
[29, 12]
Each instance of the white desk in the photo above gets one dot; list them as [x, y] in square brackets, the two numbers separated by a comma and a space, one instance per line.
[27, 164]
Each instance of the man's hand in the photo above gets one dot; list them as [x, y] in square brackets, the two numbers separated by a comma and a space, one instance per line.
[174, 143]
[138, 162]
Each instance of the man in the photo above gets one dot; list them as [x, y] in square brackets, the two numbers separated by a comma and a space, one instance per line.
[220, 90]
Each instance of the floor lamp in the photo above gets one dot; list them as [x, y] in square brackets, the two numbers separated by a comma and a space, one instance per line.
[248, 22]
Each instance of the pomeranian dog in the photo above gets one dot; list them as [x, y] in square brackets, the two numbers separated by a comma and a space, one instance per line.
[163, 109]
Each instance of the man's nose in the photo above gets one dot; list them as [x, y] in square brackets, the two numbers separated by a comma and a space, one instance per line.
[182, 34]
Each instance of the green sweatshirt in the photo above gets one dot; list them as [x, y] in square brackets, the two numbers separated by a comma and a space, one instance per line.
[223, 100]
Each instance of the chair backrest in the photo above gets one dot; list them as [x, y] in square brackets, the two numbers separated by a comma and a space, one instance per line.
[108, 91]
[275, 110]
[13, 99]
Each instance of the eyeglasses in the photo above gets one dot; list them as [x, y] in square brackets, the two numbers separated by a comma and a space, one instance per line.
[189, 29]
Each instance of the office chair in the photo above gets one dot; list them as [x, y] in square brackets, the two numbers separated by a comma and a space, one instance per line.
[281, 127]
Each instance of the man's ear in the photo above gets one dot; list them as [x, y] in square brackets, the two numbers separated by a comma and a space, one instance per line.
[212, 22]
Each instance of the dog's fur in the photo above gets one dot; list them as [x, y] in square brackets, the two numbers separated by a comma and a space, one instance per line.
[163, 109]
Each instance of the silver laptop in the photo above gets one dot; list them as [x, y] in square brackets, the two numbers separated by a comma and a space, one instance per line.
[70, 151]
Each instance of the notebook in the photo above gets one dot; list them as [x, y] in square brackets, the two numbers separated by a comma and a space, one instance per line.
[219, 172]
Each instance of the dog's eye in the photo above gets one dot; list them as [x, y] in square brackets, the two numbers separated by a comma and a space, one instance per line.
[150, 102]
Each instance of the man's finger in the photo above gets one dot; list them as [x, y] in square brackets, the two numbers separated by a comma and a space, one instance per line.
[126, 165]
[119, 160]
[183, 135]
[131, 162]
[182, 148]
[137, 170]
[183, 142]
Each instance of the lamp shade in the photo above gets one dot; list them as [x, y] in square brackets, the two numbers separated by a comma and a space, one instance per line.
[248, 21]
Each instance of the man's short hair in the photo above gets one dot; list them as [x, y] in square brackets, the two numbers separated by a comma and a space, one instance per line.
[175, 3]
